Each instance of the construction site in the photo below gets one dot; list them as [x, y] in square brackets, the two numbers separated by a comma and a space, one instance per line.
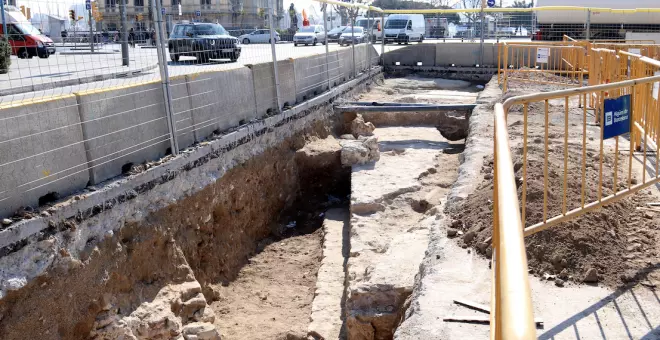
[458, 190]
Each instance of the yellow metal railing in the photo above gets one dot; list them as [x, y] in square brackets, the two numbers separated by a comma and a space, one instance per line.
[613, 74]
[511, 306]
[559, 63]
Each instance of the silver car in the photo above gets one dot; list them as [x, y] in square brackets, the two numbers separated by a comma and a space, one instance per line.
[258, 36]
[357, 36]
[310, 35]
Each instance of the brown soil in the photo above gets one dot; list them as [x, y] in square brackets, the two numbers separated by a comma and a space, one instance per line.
[272, 296]
[208, 237]
[621, 242]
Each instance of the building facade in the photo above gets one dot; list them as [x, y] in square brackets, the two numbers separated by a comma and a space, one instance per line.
[232, 14]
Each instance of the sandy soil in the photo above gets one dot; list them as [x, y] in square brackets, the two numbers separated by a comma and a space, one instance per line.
[620, 241]
[272, 296]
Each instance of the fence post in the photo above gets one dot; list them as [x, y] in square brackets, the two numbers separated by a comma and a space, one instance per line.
[327, 59]
[5, 35]
[124, 33]
[276, 75]
[164, 75]
[370, 21]
[382, 39]
[91, 29]
[588, 34]
[481, 42]
[352, 18]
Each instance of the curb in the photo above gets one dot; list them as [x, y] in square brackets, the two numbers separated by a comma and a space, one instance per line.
[77, 81]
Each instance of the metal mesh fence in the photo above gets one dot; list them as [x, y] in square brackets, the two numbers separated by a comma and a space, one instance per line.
[91, 91]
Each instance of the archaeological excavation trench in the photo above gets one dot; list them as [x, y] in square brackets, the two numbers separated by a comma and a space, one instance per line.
[362, 216]
[313, 227]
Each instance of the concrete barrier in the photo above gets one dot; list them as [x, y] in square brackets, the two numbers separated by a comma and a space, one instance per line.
[122, 126]
[346, 61]
[411, 55]
[264, 85]
[182, 111]
[221, 100]
[335, 70]
[311, 76]
[41, 152]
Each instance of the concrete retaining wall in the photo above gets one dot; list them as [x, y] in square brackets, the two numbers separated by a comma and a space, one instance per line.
[41, 151]
[446, 54]
[65, 143]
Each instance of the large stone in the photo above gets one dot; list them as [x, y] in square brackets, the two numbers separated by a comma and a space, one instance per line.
[201, 331]
[319, 153]
[361, 128]
[454, 125]
[361, 151]
[591, 276]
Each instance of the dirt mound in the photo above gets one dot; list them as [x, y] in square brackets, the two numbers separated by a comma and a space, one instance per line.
[618, 241]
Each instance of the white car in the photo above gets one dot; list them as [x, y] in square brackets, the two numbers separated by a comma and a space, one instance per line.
[310, 35]
[258, 36]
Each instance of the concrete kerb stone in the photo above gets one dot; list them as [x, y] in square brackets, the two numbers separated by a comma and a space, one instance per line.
[121, 126]
[42, 151]
[218, 110]
[311, 76]
[182, 111]
[128, 186]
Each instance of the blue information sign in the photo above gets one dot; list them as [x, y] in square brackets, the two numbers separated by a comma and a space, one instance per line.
[198, 13]
[616, 116]
[491, 3]
[162, 10]
[88, 4]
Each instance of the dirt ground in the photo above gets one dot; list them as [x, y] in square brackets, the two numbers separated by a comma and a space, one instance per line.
[620, 241]
[272, 296]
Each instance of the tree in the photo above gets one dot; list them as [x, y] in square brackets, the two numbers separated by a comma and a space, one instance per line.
[517, 19]
[468, 4]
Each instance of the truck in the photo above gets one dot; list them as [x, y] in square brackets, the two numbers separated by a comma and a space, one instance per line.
[554, 24]
[26, 41]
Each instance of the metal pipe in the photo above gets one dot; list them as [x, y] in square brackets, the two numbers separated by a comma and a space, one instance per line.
[412, 108]
[382, 39]
[327, 59]
[276, 73]
[164, 76]
[396, 104]
[124, 33]
[5, 35]
[91, 29]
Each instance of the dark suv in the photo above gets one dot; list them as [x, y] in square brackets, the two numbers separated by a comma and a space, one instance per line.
[203, 41]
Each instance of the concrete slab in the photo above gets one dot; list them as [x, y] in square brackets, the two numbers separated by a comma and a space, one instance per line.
[411, 55]
[41, 151]
[264, 85]
[220, 100]
[460, 54]
[121, 126]
[326, 318]
[311, 76]
[346, 60]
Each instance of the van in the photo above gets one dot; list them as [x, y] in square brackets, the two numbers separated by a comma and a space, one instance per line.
[369, 25]
[405, 28]
[26, 40]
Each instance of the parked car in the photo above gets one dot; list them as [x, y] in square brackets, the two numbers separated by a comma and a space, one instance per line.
[258, 36]
[357, 36]
[335, 33]
[404, 28]
[26, 41]
[203, 41]
[310, 35]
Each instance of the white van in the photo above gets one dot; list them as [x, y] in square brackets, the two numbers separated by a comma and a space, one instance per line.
[405, 28]
[369, 24]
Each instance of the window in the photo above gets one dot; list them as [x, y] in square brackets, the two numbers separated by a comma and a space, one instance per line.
[178, 31]
[139, 3]
[175, 2]
[206, 4]
[110, 4]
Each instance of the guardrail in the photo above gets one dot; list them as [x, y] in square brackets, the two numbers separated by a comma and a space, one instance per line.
[621, 106]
